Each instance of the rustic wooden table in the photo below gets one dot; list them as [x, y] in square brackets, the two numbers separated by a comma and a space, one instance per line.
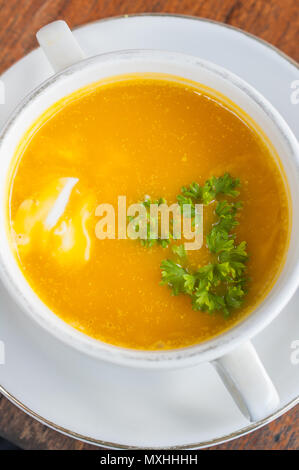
[275, 21]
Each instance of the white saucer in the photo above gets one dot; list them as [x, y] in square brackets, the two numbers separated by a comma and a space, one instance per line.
[119, 407]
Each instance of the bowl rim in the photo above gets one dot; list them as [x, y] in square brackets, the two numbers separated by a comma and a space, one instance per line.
[202, 352]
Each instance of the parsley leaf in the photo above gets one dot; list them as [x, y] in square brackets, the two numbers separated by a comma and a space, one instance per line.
[150, 241]
[173, 275]
[214, 186]
[234, 296]
[207, 301]
[218, 240]
[179, 250]
[235, 254]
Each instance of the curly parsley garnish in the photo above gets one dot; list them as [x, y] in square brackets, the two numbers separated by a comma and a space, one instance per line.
[220, 285]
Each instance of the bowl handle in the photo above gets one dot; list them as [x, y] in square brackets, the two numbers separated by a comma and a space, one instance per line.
[246, 379]
[59, 45]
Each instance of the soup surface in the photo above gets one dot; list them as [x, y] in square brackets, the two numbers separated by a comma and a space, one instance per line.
[137, 137]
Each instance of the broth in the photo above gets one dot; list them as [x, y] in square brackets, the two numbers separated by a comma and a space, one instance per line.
[136, 137]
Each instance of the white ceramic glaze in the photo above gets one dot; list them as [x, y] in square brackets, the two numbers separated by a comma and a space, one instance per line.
[264, 399]
[182, 408]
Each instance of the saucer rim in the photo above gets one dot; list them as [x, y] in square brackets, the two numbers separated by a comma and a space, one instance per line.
[292, 61]
[113, 445]
[219, 440]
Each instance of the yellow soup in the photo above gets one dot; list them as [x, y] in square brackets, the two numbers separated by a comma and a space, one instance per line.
[138, 136]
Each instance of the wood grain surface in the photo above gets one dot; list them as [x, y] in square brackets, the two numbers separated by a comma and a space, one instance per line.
[275, 21]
